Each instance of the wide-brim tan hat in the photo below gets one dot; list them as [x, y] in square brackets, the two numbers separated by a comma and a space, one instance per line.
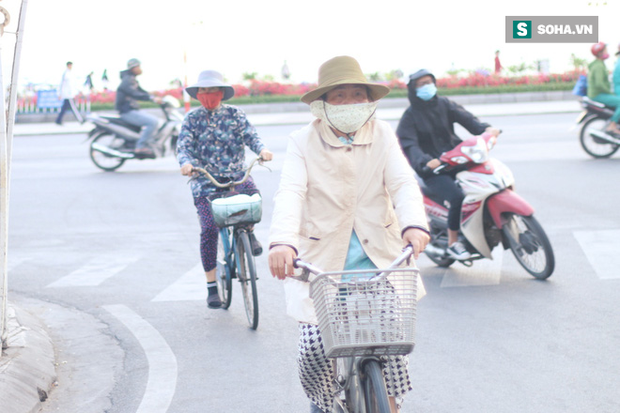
[343, 70]
[211, 78]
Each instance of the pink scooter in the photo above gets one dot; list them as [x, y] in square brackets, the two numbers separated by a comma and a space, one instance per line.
[492, 213]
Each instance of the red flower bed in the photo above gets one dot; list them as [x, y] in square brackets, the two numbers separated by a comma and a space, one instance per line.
[271, 88]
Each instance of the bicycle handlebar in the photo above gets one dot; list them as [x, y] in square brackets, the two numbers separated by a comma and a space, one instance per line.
[309, 268]
[228, 184]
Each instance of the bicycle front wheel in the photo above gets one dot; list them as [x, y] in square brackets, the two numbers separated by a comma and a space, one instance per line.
[375, 392]
[247, 277]
[222, 269]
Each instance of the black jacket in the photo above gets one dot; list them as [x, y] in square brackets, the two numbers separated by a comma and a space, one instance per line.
[129, 92]
[426, 129]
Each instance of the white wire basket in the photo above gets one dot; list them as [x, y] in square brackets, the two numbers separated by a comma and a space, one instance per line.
[359, 315]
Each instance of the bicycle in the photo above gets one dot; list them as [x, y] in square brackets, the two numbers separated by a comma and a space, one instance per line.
[235, 215]
[363, 315]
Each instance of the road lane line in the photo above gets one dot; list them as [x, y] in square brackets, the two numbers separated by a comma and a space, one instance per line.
[601, 248]
[162, 379]
[94, 272]
[191, 286]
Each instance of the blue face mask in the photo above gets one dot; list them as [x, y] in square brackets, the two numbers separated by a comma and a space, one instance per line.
[426, 92]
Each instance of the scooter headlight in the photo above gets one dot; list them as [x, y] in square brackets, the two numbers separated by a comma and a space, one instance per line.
[478, 153]
[459, 159]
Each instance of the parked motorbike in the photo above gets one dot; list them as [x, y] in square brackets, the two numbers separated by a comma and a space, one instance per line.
[492, 212]
[114, 140]
[594, 139]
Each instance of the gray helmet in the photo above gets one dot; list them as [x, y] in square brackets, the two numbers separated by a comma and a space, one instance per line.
[420, 73]
[131, 63]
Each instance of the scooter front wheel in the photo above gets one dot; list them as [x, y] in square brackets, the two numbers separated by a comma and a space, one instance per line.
[441, 260]
[529, 244]
[102, 160]
[593, 145]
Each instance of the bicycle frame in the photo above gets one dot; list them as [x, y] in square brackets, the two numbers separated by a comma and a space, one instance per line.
[235, 241]
[350, 370]
[230, 246]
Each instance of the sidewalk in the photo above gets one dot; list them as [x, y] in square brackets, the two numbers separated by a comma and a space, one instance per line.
[27, 367]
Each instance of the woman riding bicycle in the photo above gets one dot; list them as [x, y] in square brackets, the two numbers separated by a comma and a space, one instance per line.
[348, 199]
[214, 137]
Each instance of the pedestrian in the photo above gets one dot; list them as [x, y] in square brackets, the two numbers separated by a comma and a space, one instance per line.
[214, 137]
[286, 73]
[128, 94]
[599, 88]
[67, 95]
[498, 65]
[89, 87]
[105, 80]
[347, 199]
[88, 90]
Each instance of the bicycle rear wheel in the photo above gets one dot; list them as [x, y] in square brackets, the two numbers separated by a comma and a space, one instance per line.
[246, 272]
[375, 392]
[223, 277]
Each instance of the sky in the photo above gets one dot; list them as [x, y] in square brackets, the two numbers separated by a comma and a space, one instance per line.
[177, 40]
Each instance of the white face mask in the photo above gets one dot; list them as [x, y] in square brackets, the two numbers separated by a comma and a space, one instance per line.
[345, 118]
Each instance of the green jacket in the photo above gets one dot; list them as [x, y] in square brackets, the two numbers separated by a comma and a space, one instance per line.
[598, 79]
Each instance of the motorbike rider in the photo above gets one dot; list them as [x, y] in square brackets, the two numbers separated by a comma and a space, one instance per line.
[599, 88]
[214, 136]
[425, 131]
[128, 94]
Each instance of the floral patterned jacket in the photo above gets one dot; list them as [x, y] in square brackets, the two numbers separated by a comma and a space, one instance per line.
[216, 141]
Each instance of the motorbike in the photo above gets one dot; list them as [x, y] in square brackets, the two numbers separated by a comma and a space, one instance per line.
[113, 141]
[593, 138]
[492, 212]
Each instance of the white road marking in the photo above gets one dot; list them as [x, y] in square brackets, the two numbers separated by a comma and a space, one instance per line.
[191, 286]
[162, 379]
[95, 272]
[601, 248]
[482, 272]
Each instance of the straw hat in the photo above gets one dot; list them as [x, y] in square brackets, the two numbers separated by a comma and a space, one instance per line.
[343, 70]
[211, 78]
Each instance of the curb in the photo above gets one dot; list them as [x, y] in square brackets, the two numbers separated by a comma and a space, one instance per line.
[27, 370]
[297, 113]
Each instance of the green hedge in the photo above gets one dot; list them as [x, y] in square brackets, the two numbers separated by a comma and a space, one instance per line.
[394, 93]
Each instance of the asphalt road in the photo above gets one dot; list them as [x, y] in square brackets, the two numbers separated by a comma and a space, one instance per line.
[110, 262]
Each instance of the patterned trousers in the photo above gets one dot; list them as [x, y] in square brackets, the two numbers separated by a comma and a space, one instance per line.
[317, 374]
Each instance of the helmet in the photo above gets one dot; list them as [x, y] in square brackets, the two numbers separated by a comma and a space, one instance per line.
[420, 73]
[131, 63]
[597, 48]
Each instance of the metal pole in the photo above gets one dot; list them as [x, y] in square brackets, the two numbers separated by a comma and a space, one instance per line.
[15, 74]
[4, 199]
[7, 120]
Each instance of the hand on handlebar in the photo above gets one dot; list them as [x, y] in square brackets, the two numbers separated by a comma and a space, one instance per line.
[493, 131]
[433, 163]
[266, 155]
[187, 169]
[417, 238]
[281, 259]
